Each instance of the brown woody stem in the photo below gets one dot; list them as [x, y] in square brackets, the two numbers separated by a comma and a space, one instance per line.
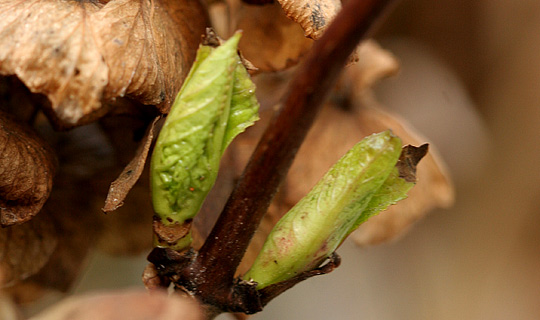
[222, 252]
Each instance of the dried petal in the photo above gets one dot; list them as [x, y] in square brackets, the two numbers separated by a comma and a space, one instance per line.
[81, 54]
[27, 167]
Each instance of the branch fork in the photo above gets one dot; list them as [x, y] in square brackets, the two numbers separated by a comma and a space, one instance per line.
[209, 274]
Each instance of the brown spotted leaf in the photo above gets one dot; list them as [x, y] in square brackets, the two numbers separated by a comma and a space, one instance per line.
[312, 15]
[27, 167]
[83, 55]
[25, 248]
[129, 304]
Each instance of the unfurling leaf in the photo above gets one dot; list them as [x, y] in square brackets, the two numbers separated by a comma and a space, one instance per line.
[27, 167]
[433, 190]
[216, 102]
[395, 187]
[361, 184]
[84, 55]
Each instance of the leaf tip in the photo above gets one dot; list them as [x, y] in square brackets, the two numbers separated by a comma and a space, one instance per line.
[408, 160]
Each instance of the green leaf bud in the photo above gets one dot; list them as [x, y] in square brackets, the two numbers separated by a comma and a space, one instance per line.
[216, 103]
[362, 183]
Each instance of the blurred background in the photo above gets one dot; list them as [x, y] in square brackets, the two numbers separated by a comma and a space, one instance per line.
[470, 81]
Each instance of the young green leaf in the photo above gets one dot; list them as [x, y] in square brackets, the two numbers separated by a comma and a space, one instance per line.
[393, 190]
[399, 182]
[361, 184]
[216, 103]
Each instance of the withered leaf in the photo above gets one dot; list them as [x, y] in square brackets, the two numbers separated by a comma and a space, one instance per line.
[25, 248]
[89, 162]
[27, 167]
[130, 175]
[151, 279]
[87, 166]
[270, 40]
[408, 161]
[17, 100]
[84, 54]
[128, 304]
[374, 63]
[312, 15]
[83, 153]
